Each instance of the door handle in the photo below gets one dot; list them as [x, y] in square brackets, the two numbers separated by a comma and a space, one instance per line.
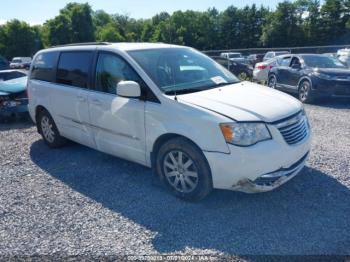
[96, 102]
[81, 98]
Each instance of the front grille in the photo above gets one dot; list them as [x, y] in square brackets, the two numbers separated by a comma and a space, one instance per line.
[294, 129]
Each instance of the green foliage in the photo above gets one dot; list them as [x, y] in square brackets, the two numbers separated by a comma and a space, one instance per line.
[74, 24]
[292, 23]
[18, 38]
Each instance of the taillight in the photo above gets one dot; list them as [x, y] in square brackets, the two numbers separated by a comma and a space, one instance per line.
[261, 67]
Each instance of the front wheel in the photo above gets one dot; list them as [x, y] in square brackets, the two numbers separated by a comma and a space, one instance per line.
[305, 92]
[183, 168]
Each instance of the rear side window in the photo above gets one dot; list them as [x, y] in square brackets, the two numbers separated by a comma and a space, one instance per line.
[285, 61]
[43, 67]
[73, 68]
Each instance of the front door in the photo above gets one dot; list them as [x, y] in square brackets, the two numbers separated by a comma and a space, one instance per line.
[118, 123]
[294, 73]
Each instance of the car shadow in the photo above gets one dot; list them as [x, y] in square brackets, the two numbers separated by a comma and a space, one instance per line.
[308, 215]
[13, 124]
[335, 103]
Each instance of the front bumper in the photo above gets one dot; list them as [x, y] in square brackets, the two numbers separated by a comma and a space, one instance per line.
[272, 180]
[245, 167]
[330, 88]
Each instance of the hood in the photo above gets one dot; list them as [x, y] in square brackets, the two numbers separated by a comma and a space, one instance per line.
[245, 101]
[14, 85]
[333, 71]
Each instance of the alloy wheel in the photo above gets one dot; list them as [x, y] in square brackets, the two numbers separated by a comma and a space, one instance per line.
[304, 91]
[180, 171]
[272, 82]
[47, 129]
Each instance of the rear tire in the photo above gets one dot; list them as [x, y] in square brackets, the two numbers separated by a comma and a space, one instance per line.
[182, 167]
[48, 130]
[304, 92]
[272, 81]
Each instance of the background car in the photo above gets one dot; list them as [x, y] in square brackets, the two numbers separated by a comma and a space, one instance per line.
[261, 70]
[21, 62]
[243, 71]
[255, 58]
[344, 56]
[311, 76]
[13, 96]
[4, 64]
[272, 54]
[234, 56]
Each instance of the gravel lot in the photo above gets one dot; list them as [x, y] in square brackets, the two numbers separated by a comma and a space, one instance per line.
[77, 201]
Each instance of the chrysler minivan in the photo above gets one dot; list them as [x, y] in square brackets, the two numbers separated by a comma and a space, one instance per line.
[171, 108]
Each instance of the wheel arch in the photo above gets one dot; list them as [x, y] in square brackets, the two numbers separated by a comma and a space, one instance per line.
[302, 79]
[38, 110]
[161, 140]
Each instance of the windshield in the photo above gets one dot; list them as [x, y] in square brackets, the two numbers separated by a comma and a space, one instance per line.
[322, 62]
[182, 70]
[16, 61]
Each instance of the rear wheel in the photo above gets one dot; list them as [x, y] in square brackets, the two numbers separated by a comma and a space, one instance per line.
[49, 131]
[305, 95]
[272, 81]
[184, 170]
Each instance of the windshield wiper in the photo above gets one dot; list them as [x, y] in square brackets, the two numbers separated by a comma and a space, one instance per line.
[222, 84]
[182, 91]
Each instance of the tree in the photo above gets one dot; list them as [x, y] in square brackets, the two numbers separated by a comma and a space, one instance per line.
[18, 39]
[333, 22]
[283, 27]
[109, 33]
[81, 22]
[73, 25]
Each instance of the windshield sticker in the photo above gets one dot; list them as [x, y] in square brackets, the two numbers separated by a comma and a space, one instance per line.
[218, 80]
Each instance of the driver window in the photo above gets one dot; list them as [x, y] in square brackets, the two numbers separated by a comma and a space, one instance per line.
[110, 70]
[295, 61]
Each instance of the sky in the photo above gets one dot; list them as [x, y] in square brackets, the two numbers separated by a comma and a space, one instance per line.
[38, 11]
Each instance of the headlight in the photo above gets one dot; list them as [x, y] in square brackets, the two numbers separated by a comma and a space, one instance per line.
[245, 134]
[323, 76]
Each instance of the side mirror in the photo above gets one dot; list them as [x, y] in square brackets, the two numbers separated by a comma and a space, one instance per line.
[129, 89]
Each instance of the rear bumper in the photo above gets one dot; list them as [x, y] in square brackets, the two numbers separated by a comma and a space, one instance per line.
[260, 75]
[20, 107]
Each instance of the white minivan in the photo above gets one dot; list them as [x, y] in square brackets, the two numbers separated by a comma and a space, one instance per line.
[171, 108]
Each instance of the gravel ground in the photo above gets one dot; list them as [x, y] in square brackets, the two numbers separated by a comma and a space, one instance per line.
[77, 201]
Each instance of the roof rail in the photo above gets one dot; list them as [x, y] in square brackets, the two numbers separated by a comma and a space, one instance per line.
[84, 44]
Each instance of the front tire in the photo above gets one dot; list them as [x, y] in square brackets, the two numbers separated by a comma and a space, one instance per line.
[48, 130]
[305, 95]
[182, 167]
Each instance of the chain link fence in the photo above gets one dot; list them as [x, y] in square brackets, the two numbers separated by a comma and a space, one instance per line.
[293, 50]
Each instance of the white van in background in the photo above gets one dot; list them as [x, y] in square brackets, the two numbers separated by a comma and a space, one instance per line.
[20, 62]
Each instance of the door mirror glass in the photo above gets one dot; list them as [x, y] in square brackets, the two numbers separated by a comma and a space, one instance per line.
[129, 89]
